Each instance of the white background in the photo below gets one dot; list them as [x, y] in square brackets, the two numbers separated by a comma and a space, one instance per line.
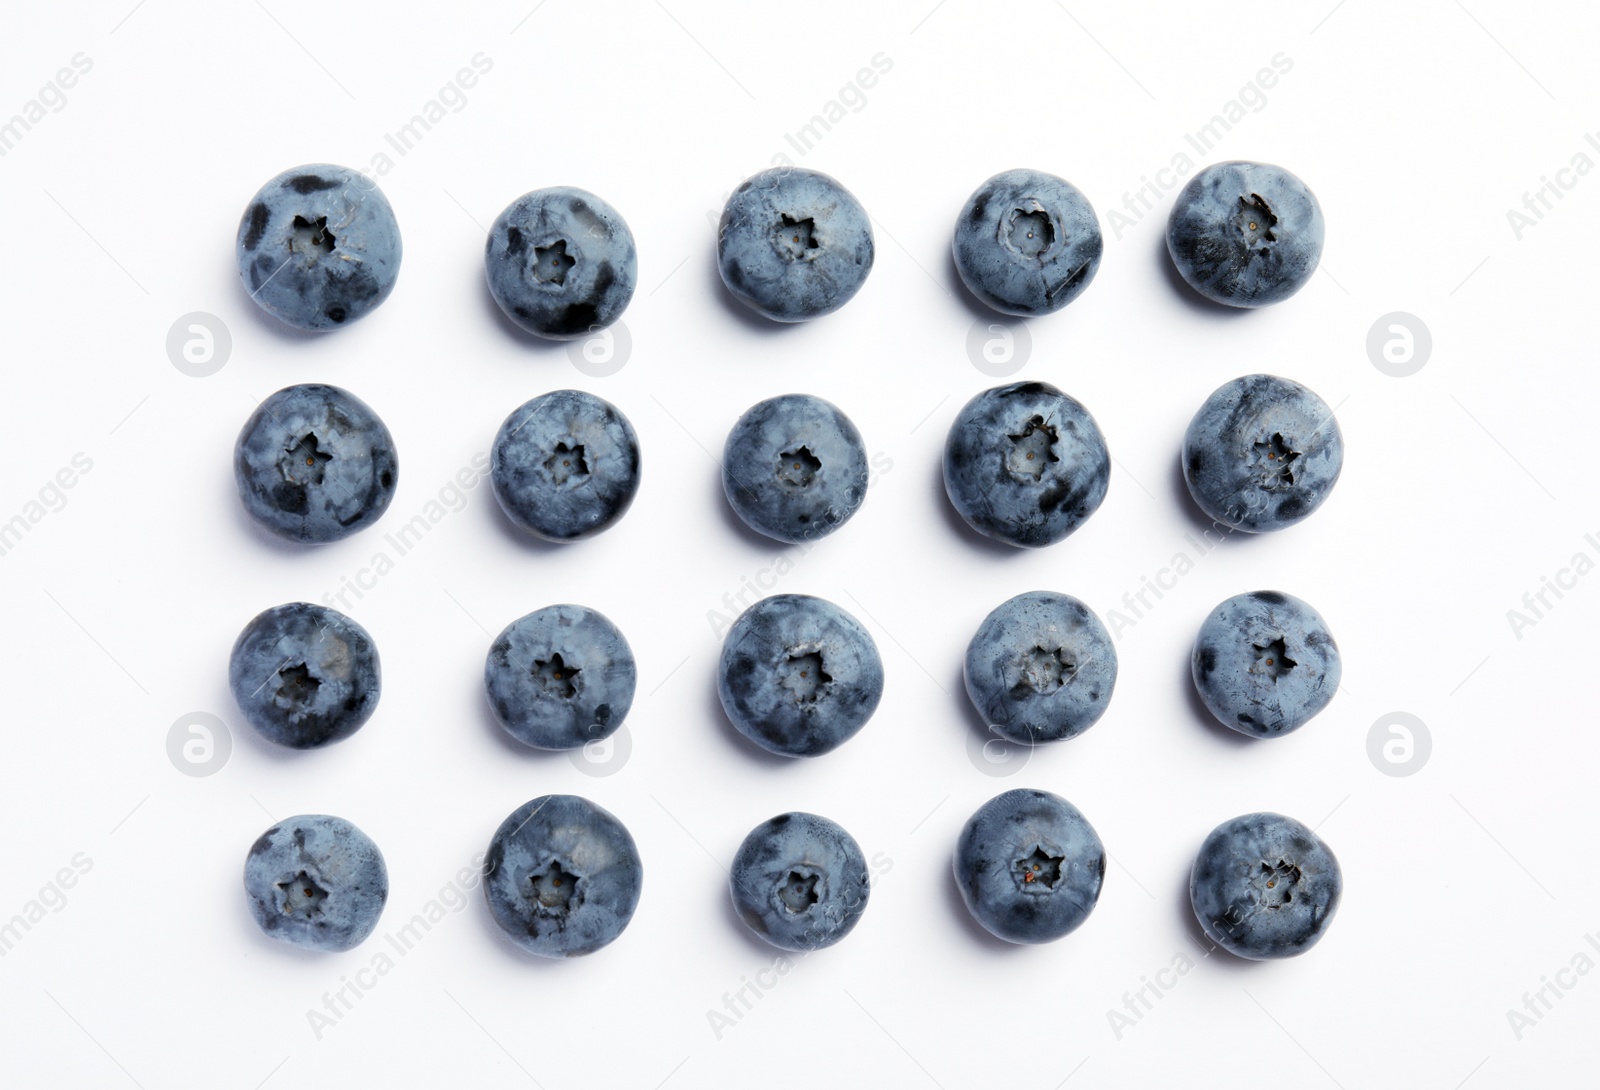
[1418, 126]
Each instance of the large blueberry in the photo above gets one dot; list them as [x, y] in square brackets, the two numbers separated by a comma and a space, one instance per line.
[561, 262]
[1245, 234]
[1265, 663]
[560, 677]
[319, 247]
[800, 881]
[1265, 886]
[305, 675]
[1025, 464]
[1040, 668]
[799, 676]
[794, 468]
[562, 876]
[1027, 242]
[316, 881]
[565, 465]
[1262, 453]
[315, 464]
[794, 244]
[1029, 866]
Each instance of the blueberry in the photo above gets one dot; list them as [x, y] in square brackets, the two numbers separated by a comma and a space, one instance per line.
[1029, 866]
[1265, 663]
[565, 465]
[319, 247]
[794, 468]
[316, 881]
[1265, 886]
[1041, 668]
[562, 876]
[561, 263]
[305, 675]
[315, 464]
[1245, 234]
[560, 677]
[800, 882]
[1027, 243]
[794, 244]
[1262, 453]
[799, 676]
[1025, 464]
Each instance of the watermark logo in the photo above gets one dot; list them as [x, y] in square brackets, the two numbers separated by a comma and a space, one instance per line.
[1399, 744]
[753, 588]
[1537, 1004]
[850, 99]
[1138, 604]
[450, 499]
[1136, 1004]
[1252, 98]
[51, 898]
[603, 756]
[199, 344]
[739, 1003]
[1540, 202]
[395, 944]
[50, 499]
[49, 99]
[1399, 344]
[995, 755]
[999, 349]
[603, 352]
[1537, 604]
[199, 744]
[451, 98]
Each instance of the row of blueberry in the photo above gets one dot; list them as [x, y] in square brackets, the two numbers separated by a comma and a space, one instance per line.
[563, 877]
[1024, 463]
[319, 247]
[798, 675]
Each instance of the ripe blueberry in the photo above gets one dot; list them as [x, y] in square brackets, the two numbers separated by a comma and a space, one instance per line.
[799, 676]
[560, 677]
[562, 876]
[794, 468]
[316, 881]
[315, 464]
[561, 263]
[794, 244]
[319, 247]
[565, 466]
[800, 882]
[1027, 243]
[305, 675]
[1265, 886]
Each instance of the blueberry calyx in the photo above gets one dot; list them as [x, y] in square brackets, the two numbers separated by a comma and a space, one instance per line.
[1028, 231]
[1275, 883]
[1040, 870]
[1273, 459]
[556, 676]
[303, 463]
[554, 889]
[1032, 449]
[798, 891]
[794, 237]
[1256, 219]
[799, 467]
[301, 893]
[550, 263]
[310, 237]
[1272, 658]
